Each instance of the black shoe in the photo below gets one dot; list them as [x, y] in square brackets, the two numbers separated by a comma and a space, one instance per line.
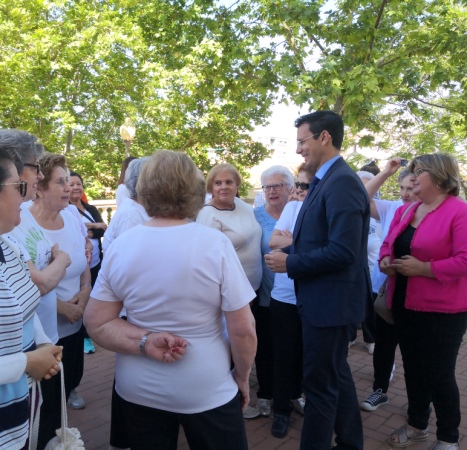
[280, 425]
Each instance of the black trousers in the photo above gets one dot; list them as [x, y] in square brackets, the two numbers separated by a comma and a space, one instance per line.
[286, 330]
[51, 410]
[73, 360]
[264, 353]
[331, 398]
[386, 342]
[218, 428]
[429, 345]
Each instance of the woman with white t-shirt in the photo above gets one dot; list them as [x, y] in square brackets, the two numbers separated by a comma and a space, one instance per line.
[386, 339]
[286, 326]
[196, 289]
[56, 221]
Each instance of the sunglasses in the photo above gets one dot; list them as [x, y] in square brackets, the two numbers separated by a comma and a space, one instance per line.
[302, 186]
[36, 166]
[22, 187]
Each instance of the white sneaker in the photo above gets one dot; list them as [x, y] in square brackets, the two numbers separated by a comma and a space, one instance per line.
[250, 413]
[352, 343]
[370, 347]
[264, 407]
[299, 405]
[75, 401]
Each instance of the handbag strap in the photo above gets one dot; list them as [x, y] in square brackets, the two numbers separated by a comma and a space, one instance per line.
[64, 411]
[407, 210]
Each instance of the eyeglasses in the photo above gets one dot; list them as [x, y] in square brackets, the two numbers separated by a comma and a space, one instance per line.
[22, 187]
[275, 187]
[301, 141]
[417, 172]
[302, 186]
[36, 166]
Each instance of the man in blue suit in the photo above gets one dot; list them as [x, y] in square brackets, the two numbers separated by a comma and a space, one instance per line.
[328, 262]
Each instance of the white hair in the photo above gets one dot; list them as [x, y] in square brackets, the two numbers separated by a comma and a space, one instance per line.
[132, 175]
[282, 171]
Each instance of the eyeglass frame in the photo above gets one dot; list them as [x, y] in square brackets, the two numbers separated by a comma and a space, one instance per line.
[23, 187]
[277, 187]
[36, 166]
[301, 141]
[301, 185]
[417, 172]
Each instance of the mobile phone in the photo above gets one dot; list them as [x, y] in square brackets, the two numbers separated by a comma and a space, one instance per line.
[403, 162]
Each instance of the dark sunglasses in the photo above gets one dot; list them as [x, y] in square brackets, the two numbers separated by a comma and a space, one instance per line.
[22, 187]
[36, 166]
[302, 186]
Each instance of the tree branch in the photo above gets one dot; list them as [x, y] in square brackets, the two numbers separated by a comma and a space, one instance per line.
[378, 21]
[325, 53]
[290, 39]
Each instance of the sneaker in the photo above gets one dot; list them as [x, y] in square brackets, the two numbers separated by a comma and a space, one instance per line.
[76, 401]
[352, 343]
[441, 445]
[250, 413]
[89, 346]
[264, 407]
[370, 347]
[374, 401]
[299, 405]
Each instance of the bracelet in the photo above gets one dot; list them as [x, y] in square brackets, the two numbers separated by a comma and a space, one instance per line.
[142, 344]
[86, 284]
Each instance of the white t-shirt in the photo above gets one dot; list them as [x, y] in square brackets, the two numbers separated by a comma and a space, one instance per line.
[70, 239]
[128, 215]
[31, 236]
[121, 194]
[241, 227]
[386, 210]
[374, 243]
[283, 290]
[177, 279]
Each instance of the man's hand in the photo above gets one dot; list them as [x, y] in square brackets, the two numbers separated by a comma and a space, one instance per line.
[276, 261]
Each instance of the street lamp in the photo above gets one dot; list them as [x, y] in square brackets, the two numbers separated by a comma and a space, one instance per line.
[127, 133]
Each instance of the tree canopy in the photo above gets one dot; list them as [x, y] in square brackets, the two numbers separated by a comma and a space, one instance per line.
[195, 75]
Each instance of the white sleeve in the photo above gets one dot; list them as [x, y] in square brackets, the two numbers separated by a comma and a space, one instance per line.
[285, 221]
[39, 335]
[75, 213]
[236, 290]
[13, 367]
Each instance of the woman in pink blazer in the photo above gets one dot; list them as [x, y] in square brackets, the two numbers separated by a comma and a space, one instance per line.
[425, 257]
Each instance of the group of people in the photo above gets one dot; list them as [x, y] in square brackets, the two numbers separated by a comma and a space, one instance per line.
[224, 285]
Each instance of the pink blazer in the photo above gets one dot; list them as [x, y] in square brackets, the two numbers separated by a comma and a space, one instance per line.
[440, 238]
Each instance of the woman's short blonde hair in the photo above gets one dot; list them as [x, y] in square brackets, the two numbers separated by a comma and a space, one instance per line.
[443, 170]
[170, 185]
[48, 162]
[216, 170]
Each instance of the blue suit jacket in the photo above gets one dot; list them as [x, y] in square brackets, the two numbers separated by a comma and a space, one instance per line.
[328, 258]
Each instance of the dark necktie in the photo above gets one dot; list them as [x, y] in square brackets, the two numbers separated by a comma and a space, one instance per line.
[314, 181]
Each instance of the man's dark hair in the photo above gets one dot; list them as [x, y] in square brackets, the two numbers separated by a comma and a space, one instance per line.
[319, 121]
[371, 167]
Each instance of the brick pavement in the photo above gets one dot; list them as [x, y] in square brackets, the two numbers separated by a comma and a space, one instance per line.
[93, 421]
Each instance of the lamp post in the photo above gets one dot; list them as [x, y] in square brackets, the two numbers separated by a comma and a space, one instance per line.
[127, 133]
